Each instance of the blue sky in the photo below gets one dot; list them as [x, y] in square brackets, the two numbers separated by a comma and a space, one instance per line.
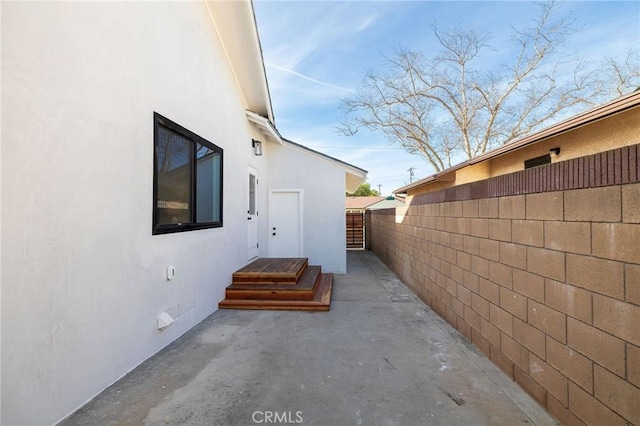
[316, 53]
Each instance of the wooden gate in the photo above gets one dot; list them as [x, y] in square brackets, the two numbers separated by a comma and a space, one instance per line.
[355, 230]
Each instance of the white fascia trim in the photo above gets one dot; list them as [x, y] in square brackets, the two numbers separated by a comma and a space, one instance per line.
[265, 125]
[264, 82]
[224, 50]
[237, 61]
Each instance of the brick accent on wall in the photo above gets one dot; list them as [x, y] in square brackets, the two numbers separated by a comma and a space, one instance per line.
[616, 167]
[540, 269]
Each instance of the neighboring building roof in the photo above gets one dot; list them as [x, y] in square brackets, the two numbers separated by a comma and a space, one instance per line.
[361, 202]
[598, 113]
[387, 203]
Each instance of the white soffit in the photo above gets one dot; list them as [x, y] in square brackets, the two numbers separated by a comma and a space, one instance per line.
[352, 182]
[265, 126]
[235, 23]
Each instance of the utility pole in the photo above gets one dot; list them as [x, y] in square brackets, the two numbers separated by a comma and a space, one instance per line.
[379, 189]
[411, 174]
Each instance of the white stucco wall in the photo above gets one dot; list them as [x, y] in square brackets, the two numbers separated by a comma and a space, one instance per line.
[83, 279]
[324, 238]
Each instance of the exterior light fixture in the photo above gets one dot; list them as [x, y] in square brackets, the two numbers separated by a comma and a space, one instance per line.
[257, 147]
[555, 151]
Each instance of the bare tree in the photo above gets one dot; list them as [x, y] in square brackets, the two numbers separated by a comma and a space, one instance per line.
[451, 103]
[621, 76]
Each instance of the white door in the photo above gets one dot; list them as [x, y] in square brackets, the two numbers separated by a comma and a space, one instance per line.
[285, 222]
[252, 215]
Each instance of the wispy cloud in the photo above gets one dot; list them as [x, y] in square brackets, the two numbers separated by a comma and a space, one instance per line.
[306, 77]
[317, 52]
[306, 46]
[297, 31]
[366, 22]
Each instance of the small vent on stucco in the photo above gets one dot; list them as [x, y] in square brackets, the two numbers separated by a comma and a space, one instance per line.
[182, 308]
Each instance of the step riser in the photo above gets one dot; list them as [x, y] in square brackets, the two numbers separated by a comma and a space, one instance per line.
[320, 302]
[274, 307]
[303, 290]
[279, 308]
[266, 294]
[257, 281]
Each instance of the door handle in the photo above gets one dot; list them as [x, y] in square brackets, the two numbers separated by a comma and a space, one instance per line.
[248, 218]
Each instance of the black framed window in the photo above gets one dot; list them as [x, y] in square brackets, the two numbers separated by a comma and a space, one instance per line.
[187, 179]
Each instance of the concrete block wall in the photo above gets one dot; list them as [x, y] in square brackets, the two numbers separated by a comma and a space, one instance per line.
[545, 284]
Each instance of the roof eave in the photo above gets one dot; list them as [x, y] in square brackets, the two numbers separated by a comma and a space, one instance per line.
[350, 168]
[235, 24]
[355, 176]
[265, 126]
[612, 107]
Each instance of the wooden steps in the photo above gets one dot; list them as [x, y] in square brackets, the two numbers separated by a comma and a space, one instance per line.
[304, 289]
[279, 284]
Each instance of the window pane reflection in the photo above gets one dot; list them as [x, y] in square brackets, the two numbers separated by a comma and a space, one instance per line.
[174, 177]
[208, 185]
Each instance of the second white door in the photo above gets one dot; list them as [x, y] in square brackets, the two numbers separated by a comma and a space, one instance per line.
[285, 223]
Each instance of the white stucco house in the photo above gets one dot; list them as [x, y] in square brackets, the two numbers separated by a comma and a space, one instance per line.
[130, 134]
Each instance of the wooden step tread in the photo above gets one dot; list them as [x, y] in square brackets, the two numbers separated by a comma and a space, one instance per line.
[320, 302]
[271, 270]
[304, 289]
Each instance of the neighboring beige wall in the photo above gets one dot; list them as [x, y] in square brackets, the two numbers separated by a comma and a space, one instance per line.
[622, 129]
[430, 187]
[619, 130]
[473, 173]
[547, 285]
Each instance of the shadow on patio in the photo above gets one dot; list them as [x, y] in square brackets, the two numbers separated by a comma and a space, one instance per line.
[380, 356]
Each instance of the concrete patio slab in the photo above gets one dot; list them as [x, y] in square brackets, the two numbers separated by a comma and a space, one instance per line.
[379, 357]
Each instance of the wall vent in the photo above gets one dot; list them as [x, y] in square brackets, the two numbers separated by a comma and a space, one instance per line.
[182, 308]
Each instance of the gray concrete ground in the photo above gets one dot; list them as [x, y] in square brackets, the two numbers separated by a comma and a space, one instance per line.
[379, 357]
